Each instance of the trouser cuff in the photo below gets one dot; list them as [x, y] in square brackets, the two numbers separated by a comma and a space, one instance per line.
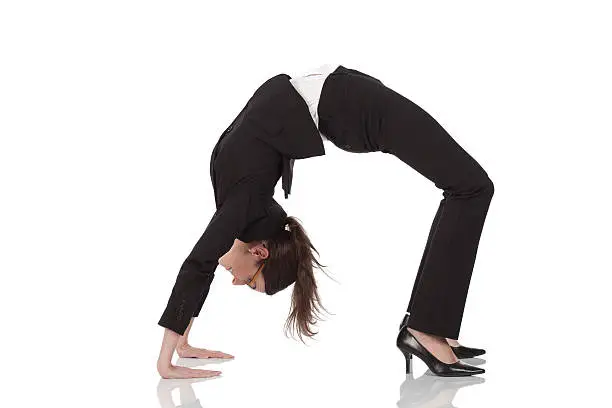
[431, 327]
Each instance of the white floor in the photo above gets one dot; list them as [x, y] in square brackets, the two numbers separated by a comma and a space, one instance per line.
[334, 379]
[354, 364]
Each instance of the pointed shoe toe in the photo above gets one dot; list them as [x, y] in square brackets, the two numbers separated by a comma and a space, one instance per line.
[460, 368]
[456, 369]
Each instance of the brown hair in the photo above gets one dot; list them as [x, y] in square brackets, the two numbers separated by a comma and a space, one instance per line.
[291, 259]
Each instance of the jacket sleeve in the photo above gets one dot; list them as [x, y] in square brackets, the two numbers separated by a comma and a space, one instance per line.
[197, 271]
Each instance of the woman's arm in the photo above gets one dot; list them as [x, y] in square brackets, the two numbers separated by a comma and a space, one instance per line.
[197, 271]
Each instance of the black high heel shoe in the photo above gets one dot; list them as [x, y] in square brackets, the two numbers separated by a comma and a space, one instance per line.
[409, 345]
[460, 351]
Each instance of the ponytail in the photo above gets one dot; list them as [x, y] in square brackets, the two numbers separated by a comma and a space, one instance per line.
[292, 260]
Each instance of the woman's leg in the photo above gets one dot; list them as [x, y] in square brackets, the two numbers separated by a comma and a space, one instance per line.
[359, 113]
[432, 230]
[440, 289]
[433, 344]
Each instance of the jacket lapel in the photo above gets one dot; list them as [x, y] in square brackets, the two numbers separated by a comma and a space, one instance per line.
[281, 113]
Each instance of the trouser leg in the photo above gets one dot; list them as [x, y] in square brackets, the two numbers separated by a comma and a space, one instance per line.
[440, 289]
[432, 230]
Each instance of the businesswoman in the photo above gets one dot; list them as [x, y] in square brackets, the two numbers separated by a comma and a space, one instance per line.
[251, 235]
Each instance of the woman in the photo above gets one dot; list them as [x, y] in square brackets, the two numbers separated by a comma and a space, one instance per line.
[252, 236]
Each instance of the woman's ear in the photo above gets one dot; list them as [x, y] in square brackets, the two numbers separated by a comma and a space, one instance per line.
[260, 251]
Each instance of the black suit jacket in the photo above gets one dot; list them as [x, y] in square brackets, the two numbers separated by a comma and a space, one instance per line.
[260, 145]
[272, 130]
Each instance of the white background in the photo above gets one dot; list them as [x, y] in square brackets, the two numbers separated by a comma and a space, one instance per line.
[108, 114]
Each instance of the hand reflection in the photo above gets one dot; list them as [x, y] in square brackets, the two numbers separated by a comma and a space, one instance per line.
[187, 396]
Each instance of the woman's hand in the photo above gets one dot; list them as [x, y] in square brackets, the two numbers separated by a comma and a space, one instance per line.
[187, 351]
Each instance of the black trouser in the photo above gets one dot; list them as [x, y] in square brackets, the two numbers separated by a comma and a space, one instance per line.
[360, 113]
[440, 289]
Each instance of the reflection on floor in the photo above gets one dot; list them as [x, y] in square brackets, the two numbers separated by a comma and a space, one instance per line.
[187, 396]
[426, 391]
[432, 391]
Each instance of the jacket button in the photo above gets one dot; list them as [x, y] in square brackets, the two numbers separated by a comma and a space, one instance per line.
[230, 128]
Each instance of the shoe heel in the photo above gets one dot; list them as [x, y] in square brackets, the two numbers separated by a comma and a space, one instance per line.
[408, 357]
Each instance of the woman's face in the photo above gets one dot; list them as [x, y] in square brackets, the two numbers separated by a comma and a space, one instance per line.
[241, 261]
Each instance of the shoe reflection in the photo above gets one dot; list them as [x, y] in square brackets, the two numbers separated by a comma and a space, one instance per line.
[475, 361]
[432, 391]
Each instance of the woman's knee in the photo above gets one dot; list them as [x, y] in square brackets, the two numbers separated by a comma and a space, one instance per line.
[473, 186]
[487, 186]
